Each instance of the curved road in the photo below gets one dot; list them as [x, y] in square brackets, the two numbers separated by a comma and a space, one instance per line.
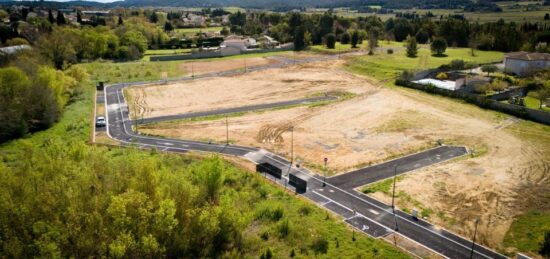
[336, 194]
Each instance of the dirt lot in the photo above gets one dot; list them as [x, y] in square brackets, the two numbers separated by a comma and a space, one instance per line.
[378, 124]
[253, 88]
[204, 67]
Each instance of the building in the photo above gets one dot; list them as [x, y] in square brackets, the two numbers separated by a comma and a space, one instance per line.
[525, 63]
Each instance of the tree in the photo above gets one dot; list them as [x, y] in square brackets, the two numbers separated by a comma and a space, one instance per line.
[330, 40]
[60, 18]
[438, 46]
[58, 48]
[51, 19]
[135, 42]
[13, 96]
[153, 18]
[373, 40]
[545, 245]
[79, 17]
[546, 16]
[542, 94]
[345, 38]
[120, 21]
[411, 46]
[224, 31]
[354, 39]
[299, 43]
[489, 69]
[168, 26]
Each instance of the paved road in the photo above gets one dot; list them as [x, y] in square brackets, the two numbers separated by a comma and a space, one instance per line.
[366, 214]
[236, 109]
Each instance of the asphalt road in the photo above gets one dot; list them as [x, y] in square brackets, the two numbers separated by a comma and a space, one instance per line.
[364, 213]
[236, 109]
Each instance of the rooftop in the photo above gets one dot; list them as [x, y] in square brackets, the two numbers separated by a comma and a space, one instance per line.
[529, 56]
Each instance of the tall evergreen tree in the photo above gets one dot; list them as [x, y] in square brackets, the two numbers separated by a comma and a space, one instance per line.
[354, 39]
[60, 18]
[412, 47]
[120, 21]
[51, 19]
[79, 17]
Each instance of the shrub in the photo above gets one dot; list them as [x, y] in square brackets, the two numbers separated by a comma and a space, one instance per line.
[438, 46]
[273, 213]
[304, 210]
[265, 235]
[320, 245]
[389, 51]
[345, 38]
[267, 254]
[457, 64]
[442, 76]
[330, 41]
[283, 228]
[407, 75]
[412, 47]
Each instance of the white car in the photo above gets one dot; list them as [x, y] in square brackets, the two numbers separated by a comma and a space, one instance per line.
[100, 122]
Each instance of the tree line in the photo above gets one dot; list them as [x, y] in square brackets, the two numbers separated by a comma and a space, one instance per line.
[312, 29]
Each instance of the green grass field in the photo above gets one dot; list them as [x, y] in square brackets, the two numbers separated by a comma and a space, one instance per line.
[342, 48]
[143, 70]
[533, 103]
[384, 66]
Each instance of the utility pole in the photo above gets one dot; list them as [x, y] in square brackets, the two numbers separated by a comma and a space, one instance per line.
[325, 173]
[226, 131]
[245, 64]
[474, 240]
[291, 145]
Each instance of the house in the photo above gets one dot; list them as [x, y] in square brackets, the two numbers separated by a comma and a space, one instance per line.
[268, 42]
[525, 63]
[193, 20]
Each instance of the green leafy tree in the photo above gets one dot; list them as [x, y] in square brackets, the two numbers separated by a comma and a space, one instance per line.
[120, 20]
[330, 41]
[345, 38]
[411, 47]
[542, 94]
[168, 26]
[13, 94]
[58, 47]
[438, 46]
[354, 39]
[489, 69]
[299, 39]
[135, 42]
[373, 40]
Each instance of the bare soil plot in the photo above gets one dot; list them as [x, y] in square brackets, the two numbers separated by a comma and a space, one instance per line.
[376, 125]
[252, 88]
[204, 67]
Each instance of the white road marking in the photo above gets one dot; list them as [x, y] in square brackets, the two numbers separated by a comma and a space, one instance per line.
[374, 212]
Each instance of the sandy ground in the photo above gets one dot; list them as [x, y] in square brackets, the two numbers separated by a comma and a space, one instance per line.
[253, 88]
[378, 124]
[203, 67]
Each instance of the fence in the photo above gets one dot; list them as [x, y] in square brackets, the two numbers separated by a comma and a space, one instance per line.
[483, 101]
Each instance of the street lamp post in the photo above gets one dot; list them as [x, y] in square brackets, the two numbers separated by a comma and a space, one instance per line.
[393, 197]
[291, 145]
[325, 173]
[226, 131]
[474, 240]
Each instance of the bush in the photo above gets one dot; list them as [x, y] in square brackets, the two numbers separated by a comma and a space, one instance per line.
[330, 41]
[407, 75]
[438, 46]
[304, 210]
[283, 228]
[320, 245]
[389, 51]
[457, 64]
[268, 212]
[442, 76]
[345, 38]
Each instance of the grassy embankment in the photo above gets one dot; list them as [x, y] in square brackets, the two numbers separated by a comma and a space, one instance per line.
[61, 197]
[527, 230]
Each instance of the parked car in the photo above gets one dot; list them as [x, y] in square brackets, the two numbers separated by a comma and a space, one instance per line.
[100, 122]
